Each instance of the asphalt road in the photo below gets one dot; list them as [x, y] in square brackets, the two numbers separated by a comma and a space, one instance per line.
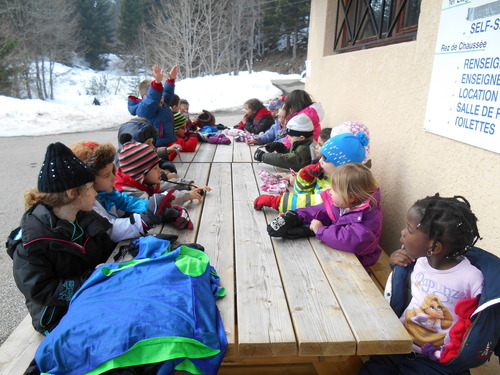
[20, 162]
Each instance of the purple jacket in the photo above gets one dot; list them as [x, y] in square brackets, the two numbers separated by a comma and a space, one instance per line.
[357, 231]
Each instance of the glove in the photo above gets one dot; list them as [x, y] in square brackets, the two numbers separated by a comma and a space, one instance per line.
[310, 172]
[157, 210]
[167, 165]
[258, 154]
[279, 147]
[266, 200]
[279, 226]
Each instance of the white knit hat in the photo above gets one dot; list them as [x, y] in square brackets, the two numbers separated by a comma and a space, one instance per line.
[304, 121]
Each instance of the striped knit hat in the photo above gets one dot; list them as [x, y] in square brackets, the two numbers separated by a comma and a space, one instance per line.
[136, 159]
[179, 120]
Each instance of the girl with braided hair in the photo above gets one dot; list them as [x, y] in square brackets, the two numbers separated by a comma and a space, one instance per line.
[435, 289]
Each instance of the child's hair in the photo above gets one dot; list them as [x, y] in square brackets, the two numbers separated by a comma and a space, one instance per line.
[175, 100]
[296, 101]
[354, 181]
[144, 87]
[449, 221]
[34, 197]
[102, 156]
[184, 101]
[254, 104]
[83, 149]
[325, 134]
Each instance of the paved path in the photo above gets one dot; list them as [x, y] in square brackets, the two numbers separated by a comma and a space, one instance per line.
[20, 160]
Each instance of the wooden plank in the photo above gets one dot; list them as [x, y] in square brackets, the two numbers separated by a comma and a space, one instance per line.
[17, 352]
[381, 270]
[264, 324]
[376, 328]
[241, 153]
[320, 325]
[205, 153]
[224, 153]
[216, 235]
[199, 173]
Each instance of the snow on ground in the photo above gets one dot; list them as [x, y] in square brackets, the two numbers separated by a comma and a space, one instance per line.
[76, 88]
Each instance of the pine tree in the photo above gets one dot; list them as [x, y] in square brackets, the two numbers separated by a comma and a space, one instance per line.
[131, 17]
[96, 30]
[7, 72]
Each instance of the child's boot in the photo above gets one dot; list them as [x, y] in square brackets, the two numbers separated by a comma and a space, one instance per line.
[265, 200]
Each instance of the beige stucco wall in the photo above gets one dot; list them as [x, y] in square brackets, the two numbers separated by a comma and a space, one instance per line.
[386, 89]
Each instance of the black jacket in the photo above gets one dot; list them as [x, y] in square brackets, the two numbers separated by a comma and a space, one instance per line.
[49, 268]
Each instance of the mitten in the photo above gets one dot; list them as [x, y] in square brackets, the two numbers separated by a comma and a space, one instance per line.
[265, 200]
[279, 147]
[300, 231]
[182, 220]
[310, 172]
[157, 210]
[279, 226]
[258, 154]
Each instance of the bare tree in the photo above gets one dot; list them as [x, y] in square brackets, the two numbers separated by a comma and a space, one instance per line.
[47, 33]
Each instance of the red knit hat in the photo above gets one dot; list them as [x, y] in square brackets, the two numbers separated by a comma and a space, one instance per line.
[137, 159]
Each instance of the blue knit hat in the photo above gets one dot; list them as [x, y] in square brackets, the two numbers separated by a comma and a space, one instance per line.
[345, 148]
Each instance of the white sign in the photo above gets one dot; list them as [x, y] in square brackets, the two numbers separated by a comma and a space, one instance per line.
[464, 95]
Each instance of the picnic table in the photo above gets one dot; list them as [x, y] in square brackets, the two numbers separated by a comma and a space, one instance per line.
[290, 305]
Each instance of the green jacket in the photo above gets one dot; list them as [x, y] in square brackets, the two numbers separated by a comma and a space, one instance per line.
[299, 156]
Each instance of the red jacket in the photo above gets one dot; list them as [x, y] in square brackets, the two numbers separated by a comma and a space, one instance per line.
[260, 122]
[188, 144]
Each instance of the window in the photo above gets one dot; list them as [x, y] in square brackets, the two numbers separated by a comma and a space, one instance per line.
[370, 23]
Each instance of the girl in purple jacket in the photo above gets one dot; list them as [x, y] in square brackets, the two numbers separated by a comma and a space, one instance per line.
[349, 219]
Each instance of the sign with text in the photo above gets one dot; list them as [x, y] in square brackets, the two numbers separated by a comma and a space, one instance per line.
[463, 102]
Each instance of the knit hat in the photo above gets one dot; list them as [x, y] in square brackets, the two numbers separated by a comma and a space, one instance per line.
[136, 159]
[83, 149]
[304, 121]
[354, 128]
[62, 170]
[205, 118]
[179, 120]
[345, 148]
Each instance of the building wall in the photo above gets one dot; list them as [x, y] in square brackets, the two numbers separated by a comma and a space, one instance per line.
[386, 89]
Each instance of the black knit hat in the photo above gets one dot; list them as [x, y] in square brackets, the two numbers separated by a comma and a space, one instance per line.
[62, 170]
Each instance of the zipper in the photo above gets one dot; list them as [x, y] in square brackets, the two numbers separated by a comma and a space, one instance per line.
[80, 247]
[464, 340]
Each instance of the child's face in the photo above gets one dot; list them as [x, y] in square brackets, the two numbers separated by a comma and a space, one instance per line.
[181, 132]
[415, 242]
[281, 117]
[85, 201]
[105, 178]
[248, 111]
[153, 176]
[326, 166]
[184, 108]
[320, 144]
[338, 200]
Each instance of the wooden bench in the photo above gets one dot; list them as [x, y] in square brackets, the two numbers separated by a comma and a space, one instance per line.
[290, 306]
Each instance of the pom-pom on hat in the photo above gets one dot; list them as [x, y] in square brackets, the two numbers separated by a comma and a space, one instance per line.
[345, 148]
[304, 121]
[62, 170]
[179, 120]
[137, 159]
